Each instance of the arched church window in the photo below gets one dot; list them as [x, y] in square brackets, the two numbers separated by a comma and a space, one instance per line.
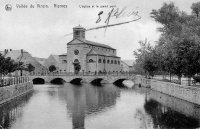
[108, 61]
[111, 61]
[119, 62]
[115, 62]
[76, 61]
[91, 60]
[99, 60]
[104, 61]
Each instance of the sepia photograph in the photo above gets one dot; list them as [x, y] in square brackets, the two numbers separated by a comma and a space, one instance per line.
[99, 64]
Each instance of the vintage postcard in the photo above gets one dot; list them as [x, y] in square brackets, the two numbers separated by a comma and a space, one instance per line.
[99, 64]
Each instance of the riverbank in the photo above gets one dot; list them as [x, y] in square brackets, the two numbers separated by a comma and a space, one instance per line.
[8, 93]
[188, 93]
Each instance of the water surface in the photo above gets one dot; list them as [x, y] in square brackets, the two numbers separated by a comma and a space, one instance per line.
[97, 107]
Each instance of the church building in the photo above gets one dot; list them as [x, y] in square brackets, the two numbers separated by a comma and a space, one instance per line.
[88, 56]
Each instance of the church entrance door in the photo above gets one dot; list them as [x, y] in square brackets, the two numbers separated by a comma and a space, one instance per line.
[77, 66]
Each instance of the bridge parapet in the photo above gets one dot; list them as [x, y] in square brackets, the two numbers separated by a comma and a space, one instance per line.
[85, 78]
[84, 74]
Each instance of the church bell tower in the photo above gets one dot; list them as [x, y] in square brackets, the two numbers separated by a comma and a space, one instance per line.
[78, 32]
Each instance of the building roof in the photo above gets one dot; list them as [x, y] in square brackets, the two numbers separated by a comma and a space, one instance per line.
[95, 43]
[40, 60]
[93, 52]
[78, 27]
[1, 52]
[128, 62]
[14, 54]
[64, 54]
[56, 57]
[78, 41]
[55, 60]
[26, 58]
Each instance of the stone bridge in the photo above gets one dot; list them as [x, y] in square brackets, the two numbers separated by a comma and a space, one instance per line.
[104, 79]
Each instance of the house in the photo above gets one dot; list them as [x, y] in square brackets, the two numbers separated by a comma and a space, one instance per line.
[127, 65]
[59, 61]
[26, 58]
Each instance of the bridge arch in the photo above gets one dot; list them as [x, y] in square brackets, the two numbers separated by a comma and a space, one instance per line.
[76, 81]
[57, 81]
[38, 80]
[96, 81]
[119, 82]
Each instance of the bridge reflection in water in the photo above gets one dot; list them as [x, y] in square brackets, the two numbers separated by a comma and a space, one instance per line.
[87, 100]
[86, 106]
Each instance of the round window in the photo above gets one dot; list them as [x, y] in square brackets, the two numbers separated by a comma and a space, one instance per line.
[76, 52]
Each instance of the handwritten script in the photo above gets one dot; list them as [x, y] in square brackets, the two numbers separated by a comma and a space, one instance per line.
[116, 13]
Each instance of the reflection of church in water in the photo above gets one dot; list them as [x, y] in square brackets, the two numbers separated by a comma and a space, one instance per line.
[87, 100]
[88, 56]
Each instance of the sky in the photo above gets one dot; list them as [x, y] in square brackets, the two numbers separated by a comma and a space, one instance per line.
[44, 31]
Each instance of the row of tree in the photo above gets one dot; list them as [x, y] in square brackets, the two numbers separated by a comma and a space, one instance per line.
[7, 65]
[178, 48]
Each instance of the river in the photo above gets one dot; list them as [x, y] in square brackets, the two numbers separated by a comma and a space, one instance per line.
[86, 106]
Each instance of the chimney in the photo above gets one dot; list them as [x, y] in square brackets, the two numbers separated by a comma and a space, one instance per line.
[22, 52]
[5, 51]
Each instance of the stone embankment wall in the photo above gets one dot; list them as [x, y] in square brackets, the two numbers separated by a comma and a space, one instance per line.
[179, 105]
[188, 93]
[12, 91]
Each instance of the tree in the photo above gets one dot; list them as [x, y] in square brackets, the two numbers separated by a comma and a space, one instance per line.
[167, 16]
[6, 65]
[145, 58]
[179, 43]
[138, 69]
[30, 67]
[21, 66]
[52, 68]
[196, 8]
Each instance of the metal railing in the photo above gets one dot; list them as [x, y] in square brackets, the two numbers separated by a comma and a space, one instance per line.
[13, 81]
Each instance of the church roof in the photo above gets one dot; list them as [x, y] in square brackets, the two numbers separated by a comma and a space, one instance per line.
[91, 43]
[96, 44]
[78, 27]
[93, 52]
[64, 54]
